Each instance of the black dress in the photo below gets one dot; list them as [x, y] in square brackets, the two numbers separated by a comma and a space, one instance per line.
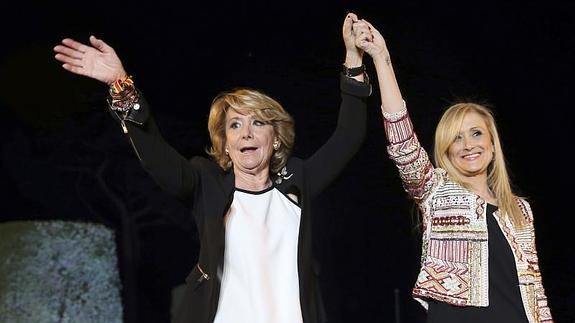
[505, 304]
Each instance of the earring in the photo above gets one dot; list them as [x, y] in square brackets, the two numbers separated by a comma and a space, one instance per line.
[276, 145]
[227, 152]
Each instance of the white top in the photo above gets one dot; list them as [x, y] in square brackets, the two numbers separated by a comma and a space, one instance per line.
[260, 278]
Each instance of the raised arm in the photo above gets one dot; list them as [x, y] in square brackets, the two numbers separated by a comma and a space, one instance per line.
[415, 169]
[353, 54]
[99, 61]
[371, 41]
[328, 161]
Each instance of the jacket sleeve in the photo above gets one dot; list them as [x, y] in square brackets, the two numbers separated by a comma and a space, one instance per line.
[168, 168]
[329, 160]
[415, 169]
[540, 302]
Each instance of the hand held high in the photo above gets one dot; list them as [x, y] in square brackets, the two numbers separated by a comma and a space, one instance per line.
[98, 61]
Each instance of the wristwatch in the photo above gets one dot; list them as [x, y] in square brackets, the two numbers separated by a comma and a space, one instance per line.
[353, 71]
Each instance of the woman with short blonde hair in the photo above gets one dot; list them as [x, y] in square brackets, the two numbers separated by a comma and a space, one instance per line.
[251, 201]
[265, 108]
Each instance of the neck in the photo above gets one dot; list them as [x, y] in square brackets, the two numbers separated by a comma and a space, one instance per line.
[479, 186]
[252, 181]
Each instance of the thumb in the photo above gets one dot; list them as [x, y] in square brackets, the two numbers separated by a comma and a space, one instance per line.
[99, 44]
[352, 16]
[372, 29]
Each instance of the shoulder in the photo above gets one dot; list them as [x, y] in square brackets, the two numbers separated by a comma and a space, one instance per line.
[294, 166]
[294, 163]
[521, 201]
[525, 208]
[201, 161]
[203, 164]
[441, 184]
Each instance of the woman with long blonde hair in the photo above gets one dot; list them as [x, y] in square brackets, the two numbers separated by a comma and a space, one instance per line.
[479, 260]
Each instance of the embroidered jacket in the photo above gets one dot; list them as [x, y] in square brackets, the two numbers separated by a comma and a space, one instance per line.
[454, 258]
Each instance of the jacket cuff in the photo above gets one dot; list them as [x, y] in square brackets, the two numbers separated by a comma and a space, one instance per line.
[138, 114]
[399, 130]
[353, 87]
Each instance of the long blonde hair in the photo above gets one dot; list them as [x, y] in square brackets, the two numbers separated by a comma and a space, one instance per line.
[265, 108]
[497, 175]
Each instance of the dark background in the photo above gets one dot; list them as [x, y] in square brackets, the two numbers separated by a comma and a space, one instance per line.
[64, 158]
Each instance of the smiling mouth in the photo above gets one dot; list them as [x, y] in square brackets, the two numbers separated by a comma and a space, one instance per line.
[471, 156]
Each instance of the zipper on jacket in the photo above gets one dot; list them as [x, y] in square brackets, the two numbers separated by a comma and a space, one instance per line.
[125, 129]
[203, 276]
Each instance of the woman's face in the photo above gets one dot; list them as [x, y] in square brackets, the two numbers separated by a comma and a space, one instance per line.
[249, 142]
[472, 150]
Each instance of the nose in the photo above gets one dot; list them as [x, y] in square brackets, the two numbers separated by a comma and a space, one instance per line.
[467, 143]
[247, 131]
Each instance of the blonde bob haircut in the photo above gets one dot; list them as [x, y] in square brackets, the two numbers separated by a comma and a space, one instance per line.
[265, 109]
[497, 175]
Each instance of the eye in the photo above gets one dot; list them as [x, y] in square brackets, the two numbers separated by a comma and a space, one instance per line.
[234, 125]
[477, 133]
[458, 138]
[259, 123]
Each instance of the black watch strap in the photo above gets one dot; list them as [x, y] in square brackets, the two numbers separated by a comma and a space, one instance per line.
[353, 71]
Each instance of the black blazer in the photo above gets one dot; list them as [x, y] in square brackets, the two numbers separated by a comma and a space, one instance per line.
[208, 190]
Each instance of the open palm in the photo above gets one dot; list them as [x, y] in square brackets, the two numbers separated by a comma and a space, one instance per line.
[98, 61]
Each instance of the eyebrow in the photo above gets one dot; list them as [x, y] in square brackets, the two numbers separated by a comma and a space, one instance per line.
[249, 117]
[473, 128]
[476, 128]
[239, 117]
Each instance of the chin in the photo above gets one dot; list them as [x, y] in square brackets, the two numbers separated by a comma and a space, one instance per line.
[251, 166]
[472, 172]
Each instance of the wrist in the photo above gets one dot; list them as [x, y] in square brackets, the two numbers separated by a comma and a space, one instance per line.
[120, 77]
[123, 95]
[121, 84]
[353, 60]
[353, 71]
[382, 58]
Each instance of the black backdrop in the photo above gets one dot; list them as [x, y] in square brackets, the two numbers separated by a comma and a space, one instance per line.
[64, 158]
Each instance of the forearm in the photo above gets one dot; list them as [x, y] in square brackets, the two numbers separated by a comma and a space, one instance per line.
[328, 161]
[415, 168]
[391, 99]
[168, 168]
